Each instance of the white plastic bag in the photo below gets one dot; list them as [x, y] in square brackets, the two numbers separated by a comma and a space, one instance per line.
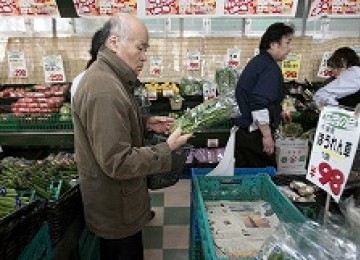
[227, 164]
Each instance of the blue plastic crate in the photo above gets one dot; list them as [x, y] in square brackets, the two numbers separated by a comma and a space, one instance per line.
[39, 247]
[194, 228]
[237, 171]
[240, 188]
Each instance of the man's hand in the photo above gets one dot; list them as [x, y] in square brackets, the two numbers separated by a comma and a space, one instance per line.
[159, 124]
[268, 144]
[176, 139]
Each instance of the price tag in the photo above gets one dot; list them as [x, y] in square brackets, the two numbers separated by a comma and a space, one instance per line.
[291, 66]
[212, 143]
[193, 59]
[152, 95]
[156, 64]
[17, 64]
[233, 57]
[335, 144]
[53, 69]
[168, 93]
[324, 70]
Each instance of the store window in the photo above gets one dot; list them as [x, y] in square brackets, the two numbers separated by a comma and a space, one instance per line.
[12, 25]
[227, 26]
[87, 26]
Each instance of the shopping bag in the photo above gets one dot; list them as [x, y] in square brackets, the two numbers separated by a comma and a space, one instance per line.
[227, 164]
[167, 179]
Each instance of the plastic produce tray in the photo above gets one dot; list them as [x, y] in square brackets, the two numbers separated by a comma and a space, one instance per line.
[19, 228]
[240, 188]
[61, 212]
[34, 122]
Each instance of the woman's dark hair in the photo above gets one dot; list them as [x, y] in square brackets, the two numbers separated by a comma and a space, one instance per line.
[97, 41]
[344, 57]
[274, 33]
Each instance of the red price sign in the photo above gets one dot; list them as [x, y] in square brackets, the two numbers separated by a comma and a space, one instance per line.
[56, 77]
[20, 73]
[334, 177]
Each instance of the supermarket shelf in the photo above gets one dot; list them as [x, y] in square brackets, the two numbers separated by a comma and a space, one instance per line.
[28, 139]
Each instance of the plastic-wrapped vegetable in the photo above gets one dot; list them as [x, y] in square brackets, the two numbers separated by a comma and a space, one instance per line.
[191, 86]
[206, 114]
[226, 79]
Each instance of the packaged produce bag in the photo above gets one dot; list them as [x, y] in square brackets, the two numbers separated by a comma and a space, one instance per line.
[227, 164]
[291, 155]
[206, 115]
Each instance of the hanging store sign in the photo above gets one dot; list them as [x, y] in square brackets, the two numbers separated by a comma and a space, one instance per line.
[324, 70]
[260, 8]
[335, 8]
[335, 144]
[105, 7]
[193, 60]
[29, 7]
[291, 66]
[179, 7]
[156, 65]
[53, 69]
[17, 64]
[233, 57]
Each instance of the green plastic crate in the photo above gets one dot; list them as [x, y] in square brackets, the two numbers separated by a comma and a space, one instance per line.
[34, 122]
[27, 193]
[39, 247]
[55, 188]
[240, 188]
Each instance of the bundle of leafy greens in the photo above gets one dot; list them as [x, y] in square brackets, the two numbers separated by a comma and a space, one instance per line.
[205, 115]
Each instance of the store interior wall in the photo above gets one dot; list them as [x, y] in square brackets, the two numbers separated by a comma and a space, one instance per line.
[74, 51]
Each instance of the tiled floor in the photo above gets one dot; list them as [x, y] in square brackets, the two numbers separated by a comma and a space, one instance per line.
[166, 237]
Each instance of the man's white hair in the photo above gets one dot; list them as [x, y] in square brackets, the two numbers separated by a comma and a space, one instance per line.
[120, 26]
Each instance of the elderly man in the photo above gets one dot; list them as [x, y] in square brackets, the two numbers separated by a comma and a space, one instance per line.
[109, 132]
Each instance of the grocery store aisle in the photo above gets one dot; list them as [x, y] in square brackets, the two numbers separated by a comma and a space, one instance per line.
[166, 237]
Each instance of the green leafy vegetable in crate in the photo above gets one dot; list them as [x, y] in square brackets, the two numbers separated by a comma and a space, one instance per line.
[291, 130]
[10, 201]
[205, 115]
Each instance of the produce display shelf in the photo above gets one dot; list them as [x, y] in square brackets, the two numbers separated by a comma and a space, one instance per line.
[239, 188]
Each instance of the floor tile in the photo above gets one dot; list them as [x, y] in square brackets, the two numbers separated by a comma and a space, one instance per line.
[158, 220]
[157, 199]
[153, 254]
[176, 216]
[176, 237]
[176, 254]
[153, 237]
[179, 195]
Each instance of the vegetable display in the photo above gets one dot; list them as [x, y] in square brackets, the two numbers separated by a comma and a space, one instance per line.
[205, 115]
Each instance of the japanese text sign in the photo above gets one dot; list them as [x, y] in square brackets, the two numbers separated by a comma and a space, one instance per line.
[53, 69]
[105, 7]
[193, 60]
[291, 66]
[260, 8]
[335, 144]
[233, 57]
[156, 65]
[17, 64]
[335, 8]
[324, 70]
[29, 7]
